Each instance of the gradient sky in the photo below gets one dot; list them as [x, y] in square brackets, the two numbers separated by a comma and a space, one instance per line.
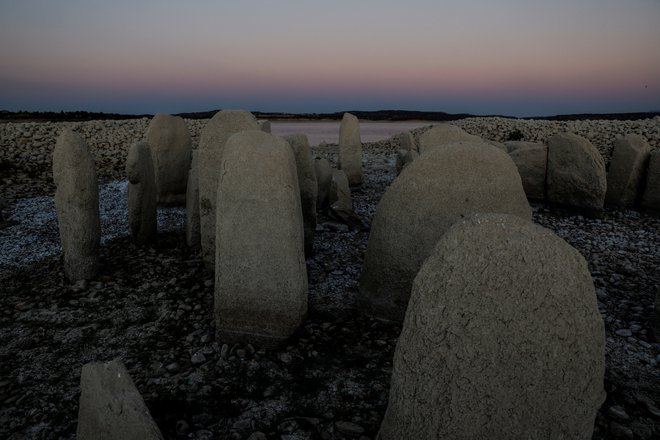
[513, 57]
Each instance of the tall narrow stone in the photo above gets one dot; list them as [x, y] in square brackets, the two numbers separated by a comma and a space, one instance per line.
[142, 193]
[308, 186]
[323, 172]
[77, 205]
[264, 125]
[171, 147]
[211, 145]
[260, 274]
[192, 203]
[406, 141]
[350, 149]
[111, 407]
[625, 178]
[651, 198]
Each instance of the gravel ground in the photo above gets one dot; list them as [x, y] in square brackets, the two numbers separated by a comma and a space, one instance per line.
[152, 308]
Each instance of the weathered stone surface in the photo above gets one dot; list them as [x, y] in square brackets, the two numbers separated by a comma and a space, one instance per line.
[77, 205]
[350, 149]
[531, 160]
[516, 145]
[502, 339]
[308, 186]
[442, 134]
[651, 198]
[142, 193]
[655, 318]
[441, 187]
[323, 172]
[625, 177]
[340, 192]
[260, 274]
[406, 141]
[403, 158]
[211, 145]
[111, 408]
[193, 237]
[264, 125]
[171, 147]
[576, 173]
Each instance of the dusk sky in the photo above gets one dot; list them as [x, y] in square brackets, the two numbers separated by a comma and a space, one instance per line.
[511, 57]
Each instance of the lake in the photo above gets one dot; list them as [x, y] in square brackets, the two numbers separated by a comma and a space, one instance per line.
[328, 131]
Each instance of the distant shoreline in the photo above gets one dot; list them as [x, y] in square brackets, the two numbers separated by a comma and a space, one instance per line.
[378, 115]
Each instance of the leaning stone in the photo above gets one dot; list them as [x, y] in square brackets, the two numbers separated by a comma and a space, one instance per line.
[260, 274]
[406, 141]
[350, 149]
[532, 161]
[340, 192]
[111, 408]
[307, 184]
[193, 237]
[77, 205]
[442, 134]
[264, 125]
[576, 173]
[142, 208]
[651, 198]
[502, 339]
[211, 145]
[323, 172]
[404, 158]
[436, 190]
[171, 148]
[625, 178]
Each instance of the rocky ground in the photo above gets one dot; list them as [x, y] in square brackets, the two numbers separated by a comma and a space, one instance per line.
[152, 308]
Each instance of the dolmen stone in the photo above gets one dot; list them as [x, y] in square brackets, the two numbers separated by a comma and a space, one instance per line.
[264, 125]
[193, 234]
[404, 158]
[260, 274]
[350, 148]
[211, 145]
[77, 205]
[531, 159]
[442, 134]
[142, 194]
[111, 408]
[436, 190]
[323, 172]
[502, 339]
[576, 173]
[171, 148]
[651, 198]
[308, 186]
[625, 177]
[406, 141]
[340, 192]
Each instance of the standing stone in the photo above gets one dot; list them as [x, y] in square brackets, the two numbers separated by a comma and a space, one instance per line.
[531, 160]
[350, 149]
[260, 274]
[323, 172]
[502, 339]
[211, 145]
[171, 148]
[340, 192]
[442, 134]
[193, 237]
[625, 177]
[651, 199]
[264, 125]
[404, 158]
[436, 190]
[142, 205]
[111, 408]
[655, 317]
[307, 184]
[406, 141]
[77, 204]
[576, 173]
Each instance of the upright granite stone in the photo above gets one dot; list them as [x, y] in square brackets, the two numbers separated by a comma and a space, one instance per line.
[193, 237]
[308, 186]
[111, 408]
[443, 134]
[625, 178]
[350, 149]
[260, 274]
[171, 147]
[436, 190]
[404, 158]
[323, 172]
[142, 194]
[264, 125]
[502, 339]
[211, 145]
[406, 141]
[651, 198]
[576, 173]
[340, 192]
[531, 159]
[77, 205]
